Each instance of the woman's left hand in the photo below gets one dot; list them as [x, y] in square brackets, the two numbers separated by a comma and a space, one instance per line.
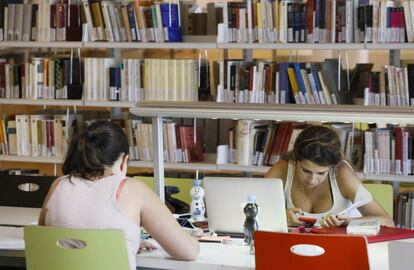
[334, 221]
[145, 245]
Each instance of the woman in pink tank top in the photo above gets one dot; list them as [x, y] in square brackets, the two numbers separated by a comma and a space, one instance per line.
[95, 193]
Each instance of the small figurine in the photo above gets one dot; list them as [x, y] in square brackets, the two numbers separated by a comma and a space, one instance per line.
[251, 210]
[197, 207]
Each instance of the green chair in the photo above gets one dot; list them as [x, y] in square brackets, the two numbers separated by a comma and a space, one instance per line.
[105, 249]
[383, 194]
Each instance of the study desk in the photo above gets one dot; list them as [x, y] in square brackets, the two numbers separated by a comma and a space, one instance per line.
[212, 256]
[18, 215]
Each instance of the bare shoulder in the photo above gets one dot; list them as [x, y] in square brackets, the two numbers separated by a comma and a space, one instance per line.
[137, 188]
[136, 185]
[278, 170]
[348, 181]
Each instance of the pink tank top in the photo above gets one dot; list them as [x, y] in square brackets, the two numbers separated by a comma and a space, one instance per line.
[81, 203]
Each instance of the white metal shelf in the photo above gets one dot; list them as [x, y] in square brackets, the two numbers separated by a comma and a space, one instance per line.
[203, 167]
[12, 158]
[292, 46]
[285, 112]
[119, 104]
[38, 44]
[40, 102]
[174, 166]
[207, 42]
[151, 45]
[68, 102]
[389, 46]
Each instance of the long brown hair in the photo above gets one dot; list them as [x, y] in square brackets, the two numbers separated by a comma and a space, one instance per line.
[319, 144]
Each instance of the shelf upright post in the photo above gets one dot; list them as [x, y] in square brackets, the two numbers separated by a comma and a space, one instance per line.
[394, 58]
[157, 140]
[247, 55]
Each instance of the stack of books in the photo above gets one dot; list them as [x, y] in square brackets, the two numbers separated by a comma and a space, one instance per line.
[364, 227]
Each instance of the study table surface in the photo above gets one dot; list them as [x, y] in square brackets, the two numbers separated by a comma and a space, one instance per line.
[212, 256]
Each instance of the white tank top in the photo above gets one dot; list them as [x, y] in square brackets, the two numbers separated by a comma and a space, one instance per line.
[81, 203]
[339, 202]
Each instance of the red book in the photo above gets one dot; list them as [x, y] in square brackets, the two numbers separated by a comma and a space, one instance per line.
[385, 233]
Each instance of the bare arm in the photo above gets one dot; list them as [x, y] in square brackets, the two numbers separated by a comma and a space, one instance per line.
[279, 170]
[348, 183]
[162, 226]
[42, 216]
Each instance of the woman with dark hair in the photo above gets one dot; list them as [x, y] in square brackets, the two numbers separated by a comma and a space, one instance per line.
[319, 183]
[95, 193]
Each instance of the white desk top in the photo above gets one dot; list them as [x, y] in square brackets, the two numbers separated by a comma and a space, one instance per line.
[18, 215]
[232, 257]
[212, 256]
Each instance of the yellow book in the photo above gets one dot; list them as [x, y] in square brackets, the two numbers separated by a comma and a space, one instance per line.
[98, 20]
[259, 21]
[294, 84]
[276, 18]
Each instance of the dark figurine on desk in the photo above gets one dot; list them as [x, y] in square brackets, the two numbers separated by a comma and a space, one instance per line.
[251, 210]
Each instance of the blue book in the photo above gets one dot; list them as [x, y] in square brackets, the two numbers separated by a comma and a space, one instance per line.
[170, 22]
[301, 83]
[284, 85]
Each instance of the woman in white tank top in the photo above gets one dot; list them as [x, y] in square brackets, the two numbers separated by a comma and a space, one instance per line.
[95, 193]
[319, 183]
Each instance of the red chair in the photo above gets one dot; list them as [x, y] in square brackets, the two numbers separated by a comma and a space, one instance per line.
[310, 251]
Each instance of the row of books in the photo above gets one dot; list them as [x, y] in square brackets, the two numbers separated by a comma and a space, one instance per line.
[389, 150]
[137, 20]
[100, 79]
[47, 135]
[36, 135]
[324, 82]
[316, 21]
[391, 86]
[41, 78]
[405, 213]
[39, 20]
[374, 150]
[180, 144]
[49, 21]
[234, 80]
[270, 82]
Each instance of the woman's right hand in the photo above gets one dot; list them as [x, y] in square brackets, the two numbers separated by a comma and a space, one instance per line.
[292, 215]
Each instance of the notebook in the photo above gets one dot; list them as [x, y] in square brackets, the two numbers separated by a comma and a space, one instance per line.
[226, 196]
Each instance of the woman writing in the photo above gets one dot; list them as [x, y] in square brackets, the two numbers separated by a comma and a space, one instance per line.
[95, 193]
[319, 183]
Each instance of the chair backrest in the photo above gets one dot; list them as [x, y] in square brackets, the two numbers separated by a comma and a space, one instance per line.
[274, 250]
[383, 194]
[24, 190]
[51, 248]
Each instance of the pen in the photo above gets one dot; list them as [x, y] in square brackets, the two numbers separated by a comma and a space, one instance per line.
[353, 206]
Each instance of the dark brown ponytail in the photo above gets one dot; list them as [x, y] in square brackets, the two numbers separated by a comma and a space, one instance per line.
[97, 147]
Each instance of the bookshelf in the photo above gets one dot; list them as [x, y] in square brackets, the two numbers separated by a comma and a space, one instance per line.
[277, 112]
[285, 112]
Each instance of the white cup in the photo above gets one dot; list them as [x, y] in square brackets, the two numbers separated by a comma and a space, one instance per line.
[222, 154]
